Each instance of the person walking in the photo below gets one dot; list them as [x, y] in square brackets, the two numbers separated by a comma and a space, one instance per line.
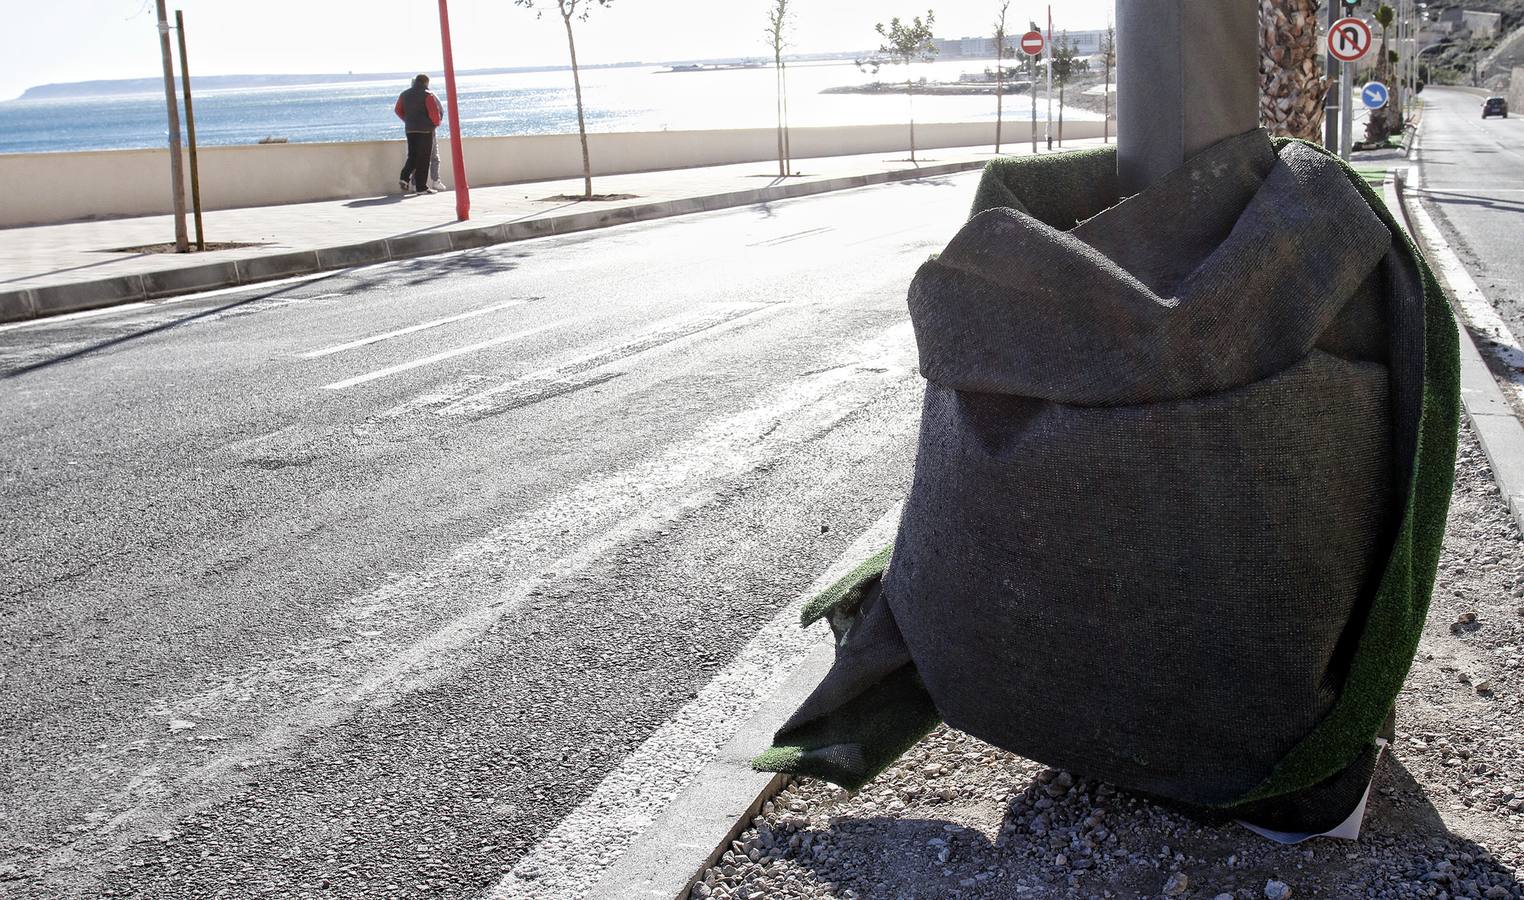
[420, 113]
[435, 184]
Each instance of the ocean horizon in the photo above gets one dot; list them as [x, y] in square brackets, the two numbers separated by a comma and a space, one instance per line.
[623, 98]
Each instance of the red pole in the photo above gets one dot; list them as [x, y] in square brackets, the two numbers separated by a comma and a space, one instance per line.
[457, 156]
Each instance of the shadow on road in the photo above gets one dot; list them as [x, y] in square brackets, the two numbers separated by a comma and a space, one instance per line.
[104, 262]
[162, 327]
[385, 200]
[485, 261]
[1472, 200]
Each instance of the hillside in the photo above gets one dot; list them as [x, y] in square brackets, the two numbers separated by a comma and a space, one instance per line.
[1477, 58]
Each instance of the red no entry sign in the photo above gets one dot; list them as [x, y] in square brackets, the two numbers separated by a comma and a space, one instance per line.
[1031, 43]
[1349, 39]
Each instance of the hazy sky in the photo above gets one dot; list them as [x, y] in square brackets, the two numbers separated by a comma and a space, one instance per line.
[81, 40]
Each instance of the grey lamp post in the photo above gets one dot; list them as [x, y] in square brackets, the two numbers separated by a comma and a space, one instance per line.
[1187, 77]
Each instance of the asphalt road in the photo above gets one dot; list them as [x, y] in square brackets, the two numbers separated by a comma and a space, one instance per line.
[357, 585]
[1473, 178]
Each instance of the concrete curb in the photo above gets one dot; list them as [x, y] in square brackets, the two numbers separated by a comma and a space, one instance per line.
[697, 827]
[1497, 428]
[38, 302]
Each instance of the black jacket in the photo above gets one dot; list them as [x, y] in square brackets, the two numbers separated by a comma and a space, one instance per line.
[418, 109]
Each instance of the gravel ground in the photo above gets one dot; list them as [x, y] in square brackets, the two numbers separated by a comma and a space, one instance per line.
[959, 818]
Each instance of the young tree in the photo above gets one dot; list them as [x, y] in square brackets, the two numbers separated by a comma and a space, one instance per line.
[1382, 122]
[1002, 52]
[1108, 59]
[1066, 62]
[778, 22]
[573, 9]
[906, 43]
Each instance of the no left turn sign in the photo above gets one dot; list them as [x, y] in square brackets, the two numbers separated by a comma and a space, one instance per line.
[1031, 43]
[1349, 39]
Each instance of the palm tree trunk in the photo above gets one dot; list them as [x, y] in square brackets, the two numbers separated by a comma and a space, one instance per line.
[1291, 77]
[587, 162]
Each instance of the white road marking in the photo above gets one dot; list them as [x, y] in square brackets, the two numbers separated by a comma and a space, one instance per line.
[1475, 307]
[71, 317]
[376, 339]
[568, 860]
[324, 680]
[438, 357]
[167, 301]
[663, 335]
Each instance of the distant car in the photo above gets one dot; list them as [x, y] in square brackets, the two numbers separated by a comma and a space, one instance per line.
[1495, 106]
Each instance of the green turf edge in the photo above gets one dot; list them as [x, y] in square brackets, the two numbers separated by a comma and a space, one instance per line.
[861, 738]
[850, 589]
[1394, 623]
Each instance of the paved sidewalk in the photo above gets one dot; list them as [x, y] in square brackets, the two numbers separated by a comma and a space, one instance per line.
[60, 268]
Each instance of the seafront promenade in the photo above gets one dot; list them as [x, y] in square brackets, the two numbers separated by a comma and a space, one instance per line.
[54, 269]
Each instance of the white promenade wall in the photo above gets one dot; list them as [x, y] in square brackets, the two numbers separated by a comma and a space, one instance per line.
[48, 188]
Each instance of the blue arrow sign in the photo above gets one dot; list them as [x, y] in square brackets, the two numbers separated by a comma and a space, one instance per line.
[1373, 95]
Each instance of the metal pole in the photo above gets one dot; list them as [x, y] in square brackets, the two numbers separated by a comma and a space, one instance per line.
[190, 131]
[1049, 59]
[176, 168]
[1175, 98]
[457, 152]
[1399, 71]
[1032, 65]
[1347, 124]
[1330, 108]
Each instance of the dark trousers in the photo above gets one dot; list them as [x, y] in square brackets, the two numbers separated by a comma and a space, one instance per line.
[420, 147]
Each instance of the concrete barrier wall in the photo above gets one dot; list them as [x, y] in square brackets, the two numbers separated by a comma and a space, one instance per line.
[47, 188]
[1516, 92]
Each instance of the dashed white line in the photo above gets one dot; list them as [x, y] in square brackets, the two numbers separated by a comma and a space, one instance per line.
[438, 357]
[663, 335]
[376, 339]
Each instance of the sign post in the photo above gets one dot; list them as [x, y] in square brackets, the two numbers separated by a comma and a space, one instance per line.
[1032, 45]
[1049, 59]
[1349, 39]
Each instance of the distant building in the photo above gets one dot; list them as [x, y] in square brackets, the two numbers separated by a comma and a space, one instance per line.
[1480, 24]
[1086, 43]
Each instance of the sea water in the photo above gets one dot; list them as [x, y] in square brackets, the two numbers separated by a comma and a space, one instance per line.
[626, 98]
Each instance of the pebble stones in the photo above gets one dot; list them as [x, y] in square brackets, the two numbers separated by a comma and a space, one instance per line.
[1177, 885]
[1277, 890]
